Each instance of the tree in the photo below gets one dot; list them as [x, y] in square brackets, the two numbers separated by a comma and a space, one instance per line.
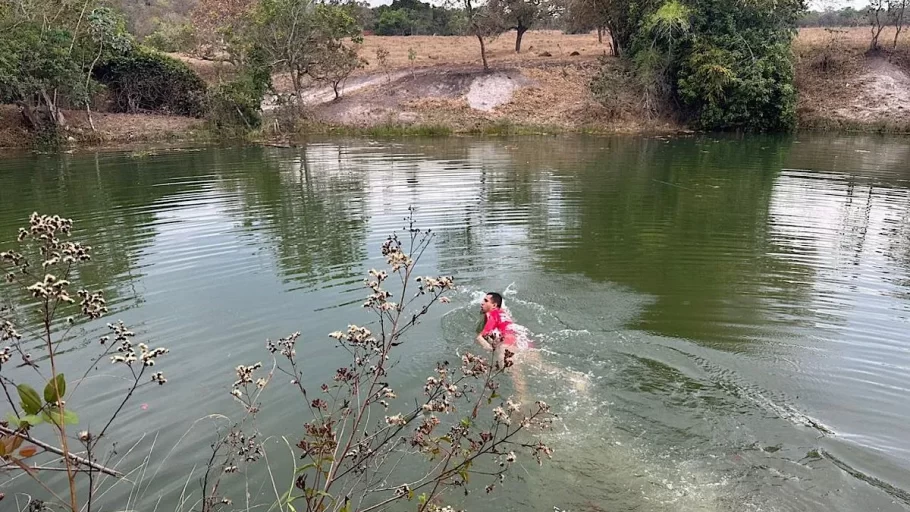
[724, 68]
[44, 51]
[308, 40]
[107, 33]
[394, 22]
[896, 11]
[734, 69]
[222, 27]
[338, 39]
[38, 73]
[621, 18]
[518, 15]
[877, 13]
[482, 23]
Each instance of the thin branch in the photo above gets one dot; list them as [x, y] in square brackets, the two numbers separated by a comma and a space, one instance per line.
[58, 451]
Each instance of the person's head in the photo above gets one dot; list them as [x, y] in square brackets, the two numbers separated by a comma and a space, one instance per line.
[491, 301]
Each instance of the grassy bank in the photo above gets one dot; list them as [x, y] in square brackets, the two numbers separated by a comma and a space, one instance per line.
[842, 87]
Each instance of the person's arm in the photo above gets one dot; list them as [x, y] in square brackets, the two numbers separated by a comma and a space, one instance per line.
[487, 328]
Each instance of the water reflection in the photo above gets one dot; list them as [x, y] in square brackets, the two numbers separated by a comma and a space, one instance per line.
[722, 293]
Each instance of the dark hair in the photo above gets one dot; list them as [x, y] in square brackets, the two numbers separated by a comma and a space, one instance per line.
[496, 298]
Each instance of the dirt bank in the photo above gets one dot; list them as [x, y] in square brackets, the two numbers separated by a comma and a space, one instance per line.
[550, 95]
[843, 86]
[109, 128]
[544, 88]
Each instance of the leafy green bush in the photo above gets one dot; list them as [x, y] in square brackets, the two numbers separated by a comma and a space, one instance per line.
[38, 73]
[727, 68]
[237, 104]
[234, 104]
[729, 90]
[143, 79]
[736, 72]
[172, 38]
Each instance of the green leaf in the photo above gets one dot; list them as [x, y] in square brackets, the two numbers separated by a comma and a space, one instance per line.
[50, 391]
[31, 402]
[291, 507]
[31, 419]
[12, 419]
[305, 467]
[422, 498]
[70, 418]
[52, 415]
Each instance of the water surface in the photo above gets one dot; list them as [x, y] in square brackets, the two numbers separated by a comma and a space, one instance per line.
[739, 305]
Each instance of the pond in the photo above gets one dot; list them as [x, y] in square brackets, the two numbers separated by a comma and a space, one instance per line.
[728, 315]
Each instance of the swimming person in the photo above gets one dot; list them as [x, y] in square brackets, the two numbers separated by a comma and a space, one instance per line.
[499, 334]
[498, 324]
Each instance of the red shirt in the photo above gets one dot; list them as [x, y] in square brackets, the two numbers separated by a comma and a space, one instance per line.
[499, 320]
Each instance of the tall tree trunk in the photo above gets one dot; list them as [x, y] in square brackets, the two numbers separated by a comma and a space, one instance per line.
[298, 88]
[520, 32]
[600, 35]
[88, 78]
[617, 50]
[899, 23]
[483, 52]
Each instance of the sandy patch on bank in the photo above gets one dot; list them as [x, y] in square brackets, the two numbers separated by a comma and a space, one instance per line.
[490, 91]
[882, 93]
[549, 95]
[843, 85]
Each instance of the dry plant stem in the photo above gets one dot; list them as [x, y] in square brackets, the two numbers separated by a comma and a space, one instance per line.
[406, 278]
[3, 382]
[23, 467]
[61, 426]
[58, 451]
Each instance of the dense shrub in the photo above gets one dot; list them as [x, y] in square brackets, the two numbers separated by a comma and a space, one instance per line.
[172, 38]
[144, 80]
[38, 73]
[736, 70]
[726, 90]
[726, 69]
[237, 104]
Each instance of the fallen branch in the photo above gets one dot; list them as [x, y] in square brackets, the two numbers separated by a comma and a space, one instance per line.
[58, 451]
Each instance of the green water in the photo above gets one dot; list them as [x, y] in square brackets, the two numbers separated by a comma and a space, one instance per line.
[740, 306]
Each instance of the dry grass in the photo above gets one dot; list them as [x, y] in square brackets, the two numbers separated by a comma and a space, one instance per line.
[212, 71]
[556, 97]
[434, 50]
[844, 86]
[110, 128]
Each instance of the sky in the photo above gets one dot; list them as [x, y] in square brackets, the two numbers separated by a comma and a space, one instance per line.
[837, 4]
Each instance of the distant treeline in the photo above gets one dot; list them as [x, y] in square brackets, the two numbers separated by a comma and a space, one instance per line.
[846, 17]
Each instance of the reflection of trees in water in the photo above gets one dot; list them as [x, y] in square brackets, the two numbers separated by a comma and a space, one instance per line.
[309, 208]
[109, 196]
[685, 221]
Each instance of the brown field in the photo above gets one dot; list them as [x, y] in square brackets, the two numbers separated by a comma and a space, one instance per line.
[432, 50]
[841, 86]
